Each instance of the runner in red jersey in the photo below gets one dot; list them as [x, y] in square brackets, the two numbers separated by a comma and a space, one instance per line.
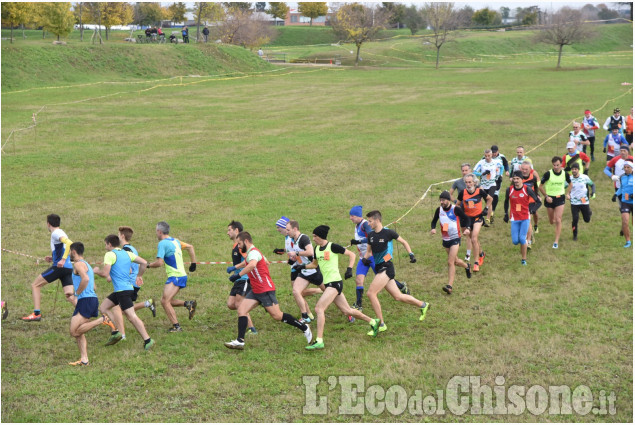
[519, 196]
[263, 291]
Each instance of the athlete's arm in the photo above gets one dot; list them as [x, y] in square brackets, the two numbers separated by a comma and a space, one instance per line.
[366, 229]
[81, 269]
[190, 250]
[143, 265]
[592, 188]
[433, 224]
[462, 216]
[103, 271]
[608, 171]
[568, 192]
[67, 250]
[249, 267]
[606, 125]
[506, 203]
[405, 244]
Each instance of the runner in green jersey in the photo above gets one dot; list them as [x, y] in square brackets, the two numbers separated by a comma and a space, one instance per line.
[326, 255]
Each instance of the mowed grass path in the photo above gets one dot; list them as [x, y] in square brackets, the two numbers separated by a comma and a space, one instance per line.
[309, 145]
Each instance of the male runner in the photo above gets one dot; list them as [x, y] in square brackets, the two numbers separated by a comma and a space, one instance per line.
[459, 184]
[170, 253]
[615, 167]
[625, 192]
[378, 241]
[578, 194]
[589, 125]
[612, 143]
[87, 302]
[489, 171]
[578, 136]
[616, 120]
[263, 292]
[61, 268]
[241, 286]
[497, 156]
[515, 163]
[574, 155]
[360, 238]
[447, 213]
[530, 179]
[116, 268]
[517, 197]
[326, 257]
[553, 188]
[472, 204]
[302, 253]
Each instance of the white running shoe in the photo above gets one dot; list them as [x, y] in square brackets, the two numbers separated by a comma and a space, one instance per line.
[308, 334]
[235, 345]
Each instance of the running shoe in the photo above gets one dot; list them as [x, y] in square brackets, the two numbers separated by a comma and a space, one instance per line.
[467, 259]
[148, 345]
[447, 289]
[528, 245]
[252, 331]
[404, 289]
[175, 329]
[351, 319]
[575, 237]
[468, 273]
[191, 307]
[476, 267]
[235, 345]
[491, 220]
[311, 316]
[621, 233]
[523, 262]
[555, 245]
[78, 363]
[32, 317]
[424, 310]
[486, 222]
[152, 307]
[315, 346]
[308, 335]
[382, 328]
[627, 244]
[592, 157]
[306, 320]
[107, 322]
[481, 258]
[374, 327]
[536, 229]
[357, 307]
[5, 310]
[114, 338]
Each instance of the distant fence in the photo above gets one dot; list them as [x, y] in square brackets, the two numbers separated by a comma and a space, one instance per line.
[276, 57]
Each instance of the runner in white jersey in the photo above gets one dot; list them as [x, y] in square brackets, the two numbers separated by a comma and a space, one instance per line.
[578, 137]
[451, 217]
[302, 253]
[516, 162]
[589, 125]
[489, 171]
[578, 194]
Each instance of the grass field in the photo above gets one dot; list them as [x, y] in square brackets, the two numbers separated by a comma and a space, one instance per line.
[307, 143]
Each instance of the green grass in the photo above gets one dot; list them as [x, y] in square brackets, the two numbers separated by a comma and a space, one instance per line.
[307, 143]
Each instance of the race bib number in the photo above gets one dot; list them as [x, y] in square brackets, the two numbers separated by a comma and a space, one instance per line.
[327, 255]
[626, 196]
[387, 257]
[583, 199]
[470, 204]
[445, 227]
[518, 207]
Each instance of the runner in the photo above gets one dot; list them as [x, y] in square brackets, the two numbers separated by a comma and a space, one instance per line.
[553, 188]
[360, 238]
[574, 155]
[170, 254]
[616, 120]
[472, 204]
[241, 286]
[517, 197]
[497, 156]
[263, 292]
[514, 164]
[451, 234]
[302, 253]
[326, 257]
[61, 269]
[615, 167]
[578, 136]
[489, 171]
[87, 302]
[116, 268]
[625, 192]
[530, 179]
[459, 186]
[589, 125]
[612, 143]
[578, 194]
[628, 133]
[378, 247]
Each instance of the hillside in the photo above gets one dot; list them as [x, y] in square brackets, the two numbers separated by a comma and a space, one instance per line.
[35, 65]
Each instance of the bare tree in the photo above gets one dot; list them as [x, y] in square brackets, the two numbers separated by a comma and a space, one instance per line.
[442, 19]
[359, 24]
[243, 28]
[564, 28]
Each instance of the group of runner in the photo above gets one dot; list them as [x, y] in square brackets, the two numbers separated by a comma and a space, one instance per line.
[567, 180]
[315, 269]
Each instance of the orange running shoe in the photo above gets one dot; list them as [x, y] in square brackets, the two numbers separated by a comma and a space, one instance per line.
[476, 267]
[481, 258]
[32, 317]
[108, 322]
[78, 363]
